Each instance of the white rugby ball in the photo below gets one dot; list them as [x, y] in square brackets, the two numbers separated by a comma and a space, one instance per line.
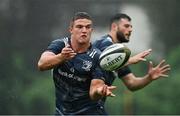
[114, 57]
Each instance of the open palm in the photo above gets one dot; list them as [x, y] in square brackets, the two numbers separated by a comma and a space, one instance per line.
[160, 70]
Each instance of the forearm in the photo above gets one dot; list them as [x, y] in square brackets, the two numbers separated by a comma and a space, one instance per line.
[135, 83]
[141, 82]
[49, 61]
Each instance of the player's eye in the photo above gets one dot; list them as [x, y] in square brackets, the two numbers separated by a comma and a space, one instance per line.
[88, 27]
[127, 26]
[79, 26]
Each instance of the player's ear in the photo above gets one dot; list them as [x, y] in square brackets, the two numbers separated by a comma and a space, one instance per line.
[114, 26]
[71, 26]
[70, 29]
[92, 29]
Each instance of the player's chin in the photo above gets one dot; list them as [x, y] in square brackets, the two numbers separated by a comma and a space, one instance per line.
[127, 38]
[83, 41]
[85, 38]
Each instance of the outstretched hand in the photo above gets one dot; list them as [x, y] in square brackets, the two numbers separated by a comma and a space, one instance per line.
[139, 57]
[106, 90]
[160, 70]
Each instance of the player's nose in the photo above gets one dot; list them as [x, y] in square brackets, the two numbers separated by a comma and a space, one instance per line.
[84, 29]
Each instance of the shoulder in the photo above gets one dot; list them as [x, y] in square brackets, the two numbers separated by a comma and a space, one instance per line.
[63, 40]
[56, 45]
[94, 52]
[103, 42]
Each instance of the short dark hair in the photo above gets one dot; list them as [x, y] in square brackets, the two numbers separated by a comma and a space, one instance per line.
[117, 17]
[80, 15]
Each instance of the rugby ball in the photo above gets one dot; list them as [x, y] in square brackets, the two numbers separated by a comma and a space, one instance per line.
[114, 57]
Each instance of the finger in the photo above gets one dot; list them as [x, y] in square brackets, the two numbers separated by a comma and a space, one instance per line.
[111, 87]
[161, 63]
[150, 65]
[68, 55]
[142, 59]
[67, 49]
[72, 55]
[166, 70]
[165, 67]
[147, 52]
[109, 93]
[104, 91]
[164, 75]
[112, 95]
[101, 90]
[150, 50]
[67, 46]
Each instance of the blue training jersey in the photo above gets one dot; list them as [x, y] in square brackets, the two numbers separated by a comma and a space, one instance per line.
[72, 79]
[102, 44]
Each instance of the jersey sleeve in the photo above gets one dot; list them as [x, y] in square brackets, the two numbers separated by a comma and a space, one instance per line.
[103, 43]
[98, 74]
[123, 71]
[56, 46]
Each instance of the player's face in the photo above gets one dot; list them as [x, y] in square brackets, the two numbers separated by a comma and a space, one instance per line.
[81, 31]
[124, 30]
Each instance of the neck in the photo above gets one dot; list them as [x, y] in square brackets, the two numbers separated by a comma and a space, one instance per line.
[79, 48]
[114, 37]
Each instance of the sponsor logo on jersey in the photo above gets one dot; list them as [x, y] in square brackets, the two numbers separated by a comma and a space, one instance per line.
[71, 76]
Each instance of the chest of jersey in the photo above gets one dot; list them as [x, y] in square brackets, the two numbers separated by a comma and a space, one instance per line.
[76, 70]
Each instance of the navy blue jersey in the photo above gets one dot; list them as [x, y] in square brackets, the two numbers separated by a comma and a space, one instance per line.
[102, 44]
[72, 79]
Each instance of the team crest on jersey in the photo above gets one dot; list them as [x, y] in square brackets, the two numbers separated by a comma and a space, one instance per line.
[72, 70]
[87, 65]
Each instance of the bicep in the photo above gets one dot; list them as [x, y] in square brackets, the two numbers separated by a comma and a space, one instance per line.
[47, 54]
[44, 59]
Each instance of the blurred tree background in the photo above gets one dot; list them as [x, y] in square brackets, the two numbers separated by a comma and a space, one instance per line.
[27, 27]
